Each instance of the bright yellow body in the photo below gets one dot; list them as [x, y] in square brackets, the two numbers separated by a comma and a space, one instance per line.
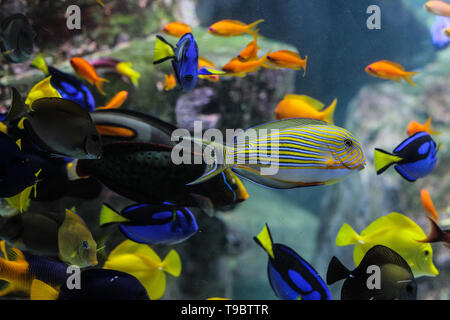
[227, 28]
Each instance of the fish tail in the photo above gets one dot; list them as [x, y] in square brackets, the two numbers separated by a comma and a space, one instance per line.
[172, 263]
[304, 66]
[429, 127]
[383, 160]
[163, 50]
[436, 234]
[39, 62]
[42, 291]
[108, 216]
[408, 78]
[336, 271]
[99, 84]
[328, 113]
[264, 240]
[428, 205]
[347, 236]
[251, 26]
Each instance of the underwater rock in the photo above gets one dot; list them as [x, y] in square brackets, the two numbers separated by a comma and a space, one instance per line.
[380, 115]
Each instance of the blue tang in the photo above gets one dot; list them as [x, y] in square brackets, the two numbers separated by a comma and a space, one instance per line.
[438, 37]
[290, 276]
[152, 224]
[414, 158]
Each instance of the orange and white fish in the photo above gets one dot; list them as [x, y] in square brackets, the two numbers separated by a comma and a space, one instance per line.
[228, 28]
[301, 106]
[169, 82]
[385, 69]
[205, 63]
[176, 29]
[116, 101]
[414, 127]
[288, 59]
[238, 68]
[438, 7]
[251, 50]
[86, 71]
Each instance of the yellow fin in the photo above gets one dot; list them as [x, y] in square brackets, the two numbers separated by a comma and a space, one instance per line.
[264, 239]
[172, 263]
[163, 50]
[39, 62]
[42, 291]
[130, 247]
[347, 236]
[328, 113]
[42, 89]
[383, 160]
[394, 220]
[313, 103]
[3, 128]
[108, 215]
[408, 78]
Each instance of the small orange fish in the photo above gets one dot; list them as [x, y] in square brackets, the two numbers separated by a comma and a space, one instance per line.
[176, 29]
[113, 131]
[414, 127]
[428, 205]
[87, 72]
[204, 63]
[228, 28]
[116, 101]
[169, 82]
[251, 50]
[240, 69]
[436, 233]
[385, 69]
[439, 8]
[288, 59]
[302, 106]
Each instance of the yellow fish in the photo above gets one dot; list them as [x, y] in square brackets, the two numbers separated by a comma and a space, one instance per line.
[397, 232]
[125, 68]
[301, 106]
[142, 262]
[43, 89]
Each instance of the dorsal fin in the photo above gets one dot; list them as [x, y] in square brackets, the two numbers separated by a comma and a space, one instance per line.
[394, 64]
[316, 104]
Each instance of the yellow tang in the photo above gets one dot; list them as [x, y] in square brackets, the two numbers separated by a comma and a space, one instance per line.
[397, 232]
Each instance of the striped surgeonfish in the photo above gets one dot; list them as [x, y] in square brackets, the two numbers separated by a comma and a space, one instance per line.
[287, 154]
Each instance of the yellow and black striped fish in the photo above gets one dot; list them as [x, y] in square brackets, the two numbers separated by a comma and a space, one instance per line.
[287, 154]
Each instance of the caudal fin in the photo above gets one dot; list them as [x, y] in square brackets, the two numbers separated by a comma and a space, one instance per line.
[347, 236]
[172, 263]
[328, 113]
[163, 50]
[40, 63]
[251, 26]
[264, 240]
[336, 271]
[99, 84]
[408, 78]
[42, 291]
[383, 160]
[109, 216]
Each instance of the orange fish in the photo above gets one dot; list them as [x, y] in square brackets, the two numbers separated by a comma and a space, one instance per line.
[176, 29]
[240, 69]
[414, 127]
[228, 28]
[439, 8]
[385, 69]
[169, 82]
[301, 106]
[87, 72]
[436, 233]
[288, 59]
[116, 101]
[428, 205]
[113, 131]
[251, 50]
[204, 63]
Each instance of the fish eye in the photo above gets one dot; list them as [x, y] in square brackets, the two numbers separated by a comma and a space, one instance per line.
[426, 252]
[94, 138]
[85, 245]
[348, 142]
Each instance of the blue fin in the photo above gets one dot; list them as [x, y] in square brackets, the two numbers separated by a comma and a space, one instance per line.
[404, 174]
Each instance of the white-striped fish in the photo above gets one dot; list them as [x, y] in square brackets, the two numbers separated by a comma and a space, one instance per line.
[287, 154]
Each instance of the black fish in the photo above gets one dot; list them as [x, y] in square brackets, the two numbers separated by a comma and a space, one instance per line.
[396, 278]
[16, 38]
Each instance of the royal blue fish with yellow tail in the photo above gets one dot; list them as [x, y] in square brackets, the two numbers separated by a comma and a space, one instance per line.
[286, 154]
[414, 158]
[291, 277]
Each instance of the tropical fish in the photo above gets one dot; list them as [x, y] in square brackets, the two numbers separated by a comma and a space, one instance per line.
[145, 173]
[428, 205]
[240, 69]
[116, 101]
[227, 28]
[414, 127]
[438, 7]
[438, 32]
[141, 261]
[301, 106]
[88, 73]
[288, 59]
[436, 233]
[95, 284]
[447, 32]
[59, 126]
[184, 60]
[385, 69]
[251, 50]
[19, 269]
[16, 38]
[205, 63]
[60, 85]
[3, 128]
[396, 280]
[287, 154]
[152, 224]
[100, 2]
[414, 158]
[291, 277]
[169, 82]
[176, 29]
[397, 232]
[123, 68]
